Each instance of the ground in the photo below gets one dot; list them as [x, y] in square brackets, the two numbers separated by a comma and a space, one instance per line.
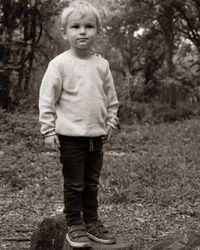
[149, 186]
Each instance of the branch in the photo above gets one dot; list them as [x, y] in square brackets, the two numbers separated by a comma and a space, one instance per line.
[118, 70]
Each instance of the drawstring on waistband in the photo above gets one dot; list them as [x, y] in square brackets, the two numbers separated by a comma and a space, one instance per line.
[91, 145]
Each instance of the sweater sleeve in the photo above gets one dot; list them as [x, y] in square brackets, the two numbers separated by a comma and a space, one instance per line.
[112, 101]
[50, 92]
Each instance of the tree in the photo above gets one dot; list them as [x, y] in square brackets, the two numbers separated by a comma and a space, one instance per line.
[188, 24]
[165, 16]
[136, 40]
[21, 27]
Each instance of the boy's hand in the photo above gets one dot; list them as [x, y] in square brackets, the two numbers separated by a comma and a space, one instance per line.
[109, 131]
[52, 142]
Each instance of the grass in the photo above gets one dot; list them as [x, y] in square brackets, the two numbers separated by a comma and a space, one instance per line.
[149, 184]
[160, 163]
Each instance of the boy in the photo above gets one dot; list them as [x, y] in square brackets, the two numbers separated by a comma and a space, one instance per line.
[78, 111]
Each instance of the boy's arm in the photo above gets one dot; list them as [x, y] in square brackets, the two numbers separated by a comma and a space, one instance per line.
[112, 101]
[50, 91]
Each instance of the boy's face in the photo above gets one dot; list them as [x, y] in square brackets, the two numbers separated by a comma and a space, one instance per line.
[81, 32]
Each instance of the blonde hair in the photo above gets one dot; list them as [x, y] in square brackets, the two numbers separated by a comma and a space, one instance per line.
[80, 8]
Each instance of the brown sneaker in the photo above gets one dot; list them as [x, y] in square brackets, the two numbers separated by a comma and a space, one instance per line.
[77, 237]
[97, 232]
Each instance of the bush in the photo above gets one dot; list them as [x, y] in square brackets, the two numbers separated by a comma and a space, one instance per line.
[156, 112]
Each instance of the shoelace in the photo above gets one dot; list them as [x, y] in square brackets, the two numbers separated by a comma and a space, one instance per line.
[100, 227]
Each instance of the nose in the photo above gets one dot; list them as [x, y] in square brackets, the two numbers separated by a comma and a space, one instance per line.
[82, 30]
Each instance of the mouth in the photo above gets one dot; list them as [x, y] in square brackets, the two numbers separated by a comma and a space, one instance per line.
[82, 39]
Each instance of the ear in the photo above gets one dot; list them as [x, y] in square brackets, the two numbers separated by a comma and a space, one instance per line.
[64, 34]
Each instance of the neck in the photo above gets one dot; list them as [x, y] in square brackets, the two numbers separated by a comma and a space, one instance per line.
[80, 53]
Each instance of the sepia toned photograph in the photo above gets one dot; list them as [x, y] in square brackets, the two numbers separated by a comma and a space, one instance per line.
[99, 124]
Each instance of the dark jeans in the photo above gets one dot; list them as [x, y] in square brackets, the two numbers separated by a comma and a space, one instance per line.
[82, 160]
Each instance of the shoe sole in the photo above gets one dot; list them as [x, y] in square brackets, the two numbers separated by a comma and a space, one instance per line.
[77, 244]
[98, 240]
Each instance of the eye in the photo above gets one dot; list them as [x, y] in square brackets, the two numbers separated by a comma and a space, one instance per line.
[89, 26]
[75, 26]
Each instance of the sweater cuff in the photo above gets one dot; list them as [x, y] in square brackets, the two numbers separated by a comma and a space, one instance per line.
[49, 133]
[114, 126]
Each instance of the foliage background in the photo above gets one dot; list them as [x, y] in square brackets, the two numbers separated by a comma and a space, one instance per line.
[152, 47]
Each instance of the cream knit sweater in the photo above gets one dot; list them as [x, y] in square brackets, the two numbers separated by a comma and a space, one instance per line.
[77, 97]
